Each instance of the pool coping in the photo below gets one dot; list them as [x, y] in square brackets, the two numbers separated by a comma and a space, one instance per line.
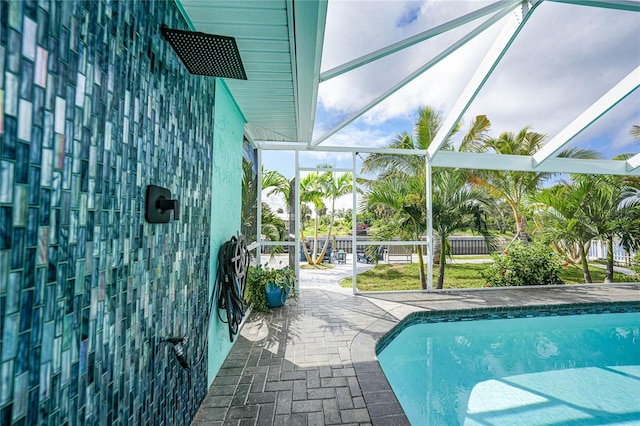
[384, 407]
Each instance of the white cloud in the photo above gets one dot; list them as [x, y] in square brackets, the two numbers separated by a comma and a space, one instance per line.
[565, 58]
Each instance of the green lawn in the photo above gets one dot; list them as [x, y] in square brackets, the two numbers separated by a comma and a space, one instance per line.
[406, 277]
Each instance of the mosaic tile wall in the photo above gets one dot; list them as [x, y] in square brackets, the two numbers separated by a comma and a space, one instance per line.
[94, 106]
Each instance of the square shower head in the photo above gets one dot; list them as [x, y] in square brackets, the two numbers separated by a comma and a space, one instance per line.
[207, 54]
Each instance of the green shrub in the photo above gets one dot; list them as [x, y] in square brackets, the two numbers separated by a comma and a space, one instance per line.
[521, 265]
[635, 265]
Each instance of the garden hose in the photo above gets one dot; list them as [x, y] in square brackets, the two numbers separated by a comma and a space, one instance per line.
[233, 261]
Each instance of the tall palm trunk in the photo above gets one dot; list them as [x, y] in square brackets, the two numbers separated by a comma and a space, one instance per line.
[423, 277]
[585, 264]
[443, 261]
[521, 229]
[315, 240]
[326, 243]
[609, 277]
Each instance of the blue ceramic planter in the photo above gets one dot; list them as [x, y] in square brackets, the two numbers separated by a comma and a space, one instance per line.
[276, 296]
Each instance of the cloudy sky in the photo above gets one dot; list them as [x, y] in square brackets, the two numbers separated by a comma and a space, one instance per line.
[564, 59]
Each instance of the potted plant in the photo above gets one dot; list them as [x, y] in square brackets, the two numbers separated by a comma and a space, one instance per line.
[269, 287]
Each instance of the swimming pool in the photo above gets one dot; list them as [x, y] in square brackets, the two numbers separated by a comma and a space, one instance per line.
[566, 366]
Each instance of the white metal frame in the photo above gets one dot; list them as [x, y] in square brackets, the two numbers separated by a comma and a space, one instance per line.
[542, 161]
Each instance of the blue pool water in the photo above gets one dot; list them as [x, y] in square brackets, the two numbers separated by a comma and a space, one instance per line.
[561, 370]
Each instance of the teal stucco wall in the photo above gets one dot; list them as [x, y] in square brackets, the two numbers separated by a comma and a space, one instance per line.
[226, 204]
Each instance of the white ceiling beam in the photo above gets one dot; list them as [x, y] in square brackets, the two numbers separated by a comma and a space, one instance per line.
[306, 55]
[633, 163]
[632, 6]
[418, 38]
[480, 77]
[523, 163]
[610, 99]
[455, 46]
[299, 146]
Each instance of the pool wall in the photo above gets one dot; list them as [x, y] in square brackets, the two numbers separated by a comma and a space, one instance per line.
[425, 317]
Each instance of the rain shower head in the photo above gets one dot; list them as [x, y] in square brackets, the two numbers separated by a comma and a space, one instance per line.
[206, 54]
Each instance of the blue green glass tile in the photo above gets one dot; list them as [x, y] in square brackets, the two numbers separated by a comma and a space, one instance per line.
[26, 311]
[43, 25]
[13, 292]
[32, 227]
[22, 358]
[6, 227]
[52, 270]
[4, 23]
[32, 410]
[45, 204]
[38, 108]
[17, 248]
[25, 120]
[52, 48]
[46, 169]
[26, 79]
[22, 163]
[20, 396]
[36, 335]
[10, 337]
[3, 301]
[34, 186]
[11, 88]
[47, 128]
[10, 138]
[13, 51]
[29, 267]
[20, 205]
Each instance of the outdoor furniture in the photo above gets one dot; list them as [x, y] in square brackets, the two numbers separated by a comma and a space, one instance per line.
[341, 257]
[398, 253]
[327, 254]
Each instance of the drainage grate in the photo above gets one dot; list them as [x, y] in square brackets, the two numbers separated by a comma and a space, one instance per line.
[207, 54]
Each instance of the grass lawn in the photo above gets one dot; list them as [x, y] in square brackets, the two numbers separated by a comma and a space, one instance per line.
[406, 277]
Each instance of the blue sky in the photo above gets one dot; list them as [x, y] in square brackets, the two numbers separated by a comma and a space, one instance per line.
[565, 58]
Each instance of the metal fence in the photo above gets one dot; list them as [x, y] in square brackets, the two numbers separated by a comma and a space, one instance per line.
[460, 245]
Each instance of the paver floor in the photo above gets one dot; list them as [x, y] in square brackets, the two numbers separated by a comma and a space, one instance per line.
[312, 362]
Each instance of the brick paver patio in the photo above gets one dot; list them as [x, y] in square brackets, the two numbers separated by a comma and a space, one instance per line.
[313, 361]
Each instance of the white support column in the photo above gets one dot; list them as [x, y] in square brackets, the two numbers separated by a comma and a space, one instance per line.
[455, 46]
[633, 163]
[482, 74]
[429, 224]
[413, 40]
[297, 225]
[610, 99]
[259, 210]
[354, 225]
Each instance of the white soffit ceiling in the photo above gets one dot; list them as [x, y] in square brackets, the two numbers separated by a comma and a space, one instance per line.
[280, 43]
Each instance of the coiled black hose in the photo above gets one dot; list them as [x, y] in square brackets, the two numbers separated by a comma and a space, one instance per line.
[231, 279]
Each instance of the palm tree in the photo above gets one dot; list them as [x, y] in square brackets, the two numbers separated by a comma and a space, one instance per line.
[563, 221]
[405, 195]
[514, 186]
[315, 189]
[273, 228]
[274, 182]
[610, 208]
[336, 187]
[311, 192]
[399, 174]
[456, 206]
